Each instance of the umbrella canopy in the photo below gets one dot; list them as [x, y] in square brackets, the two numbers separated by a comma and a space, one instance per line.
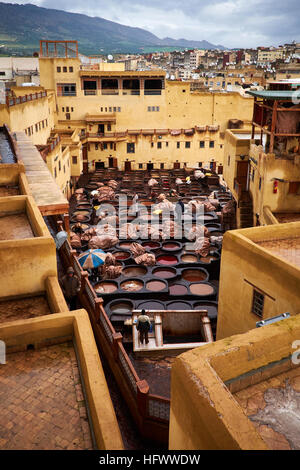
[92, 258]
[93, 193]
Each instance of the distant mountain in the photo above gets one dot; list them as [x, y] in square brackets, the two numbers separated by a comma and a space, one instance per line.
[22, 26]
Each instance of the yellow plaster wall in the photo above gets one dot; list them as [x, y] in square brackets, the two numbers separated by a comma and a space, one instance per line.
[204, 414]
[245, 266]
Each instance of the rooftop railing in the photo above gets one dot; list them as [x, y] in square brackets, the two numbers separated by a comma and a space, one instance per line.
[12, 101]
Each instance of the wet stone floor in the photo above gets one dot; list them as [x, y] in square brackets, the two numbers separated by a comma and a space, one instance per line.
[42, 403]
[15, 226]
[17, 309]
[274, 408]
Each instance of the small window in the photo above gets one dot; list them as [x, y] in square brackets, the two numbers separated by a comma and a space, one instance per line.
[119, 109]
[70, 69]
[65, 69]
[258, 303]
[294, 187]
[101, 110]
[111, 146]
[55, 173]
[140, 166]
[149, 108]
[152, 144]
[259, 184]
[72, 109]
[130, 147]
[157, 108]
[67, 109]
[59, 166]
[96, 146]
[188, 145]
[36, 128]
[115, 109]
[110, 109]
[58, 69]
[159, 145]
[178, 145]
[74, 160]
[63, 109]
[105, 146]
[64, 169]
[200, 164]
[202, 144]
[108, 127]
[162, 166]
[211, 144]
[167, 144]
[228, 160]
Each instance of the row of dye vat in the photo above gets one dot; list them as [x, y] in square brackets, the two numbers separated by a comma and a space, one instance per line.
[159, 281]
[122, 308]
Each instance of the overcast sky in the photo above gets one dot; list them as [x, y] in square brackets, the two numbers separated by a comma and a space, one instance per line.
[232, 23]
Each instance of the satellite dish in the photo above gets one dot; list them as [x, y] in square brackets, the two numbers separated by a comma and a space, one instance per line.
[110, 57]
[60, 239]
[172, 77]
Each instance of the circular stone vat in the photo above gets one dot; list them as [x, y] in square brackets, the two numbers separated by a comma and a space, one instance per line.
[171, 246]
[195, 275]
[151, 305]
[121, 307]
[125, 245]
[151, 245]
[201, 288]
[216, 233]
[134, 271]
[178, 289]
[132, 285]
[155, 286]
[81, 212]
[121, 255]
[83, 226]
[189, 258]
[208, 259]
[211, 308]
[167, 260]
[105, 287]
[177, 305]
[80, 218]
[164, 273]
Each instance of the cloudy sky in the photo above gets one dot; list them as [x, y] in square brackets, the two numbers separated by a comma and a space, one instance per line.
[232, 23]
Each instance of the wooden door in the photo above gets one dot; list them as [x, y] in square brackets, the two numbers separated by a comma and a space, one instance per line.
[242, 174]
[127, 166]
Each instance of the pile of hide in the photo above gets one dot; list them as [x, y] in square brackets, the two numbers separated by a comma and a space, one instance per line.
[170, 229]
[112, 184]
[197, 231]
[202, 246]
[110, 270]
[152, 182]
[198, 205]
[141, 256]
[229, 208]
[103, 237]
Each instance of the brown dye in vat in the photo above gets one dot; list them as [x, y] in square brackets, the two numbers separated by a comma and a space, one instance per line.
[178, 289]
[134, 271]
[132, 285]
[121, 255]
[193, 275]
[151, 245]
[14, 227]
[125, 245]
[164, 273]
[155, 285]
[189, 259]
[168, 259]
[76, 213]
[207, 259]
[122, 308]
[171, 246]
[201, 289]
[105, 287]
[179, 306]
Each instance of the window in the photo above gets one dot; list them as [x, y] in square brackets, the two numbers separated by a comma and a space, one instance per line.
[96, 146]
[188, 145]
[108, 127]
[140, 166]
[211, 144]
[74, 160]
[178, 145]
[58, 69]
[259, 185]
[66, 89]
[152, 144]
[46, 122]
[59, 166]
[167, 144]
[162, 166]
[110, 109]
[55, 172]
[159, 145]
[101, 109]
[67, 109]
[202, 144]
[111, 146]
[68, 116]
[43, 124]
[64, 169]
[257, 303]
[228, 160]
[63, 109]
[114, 109]
[72, 109]
[70, 69]
[119, 109]
[65, 69]
[104, 146]
[36, 128]
[130, 147]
